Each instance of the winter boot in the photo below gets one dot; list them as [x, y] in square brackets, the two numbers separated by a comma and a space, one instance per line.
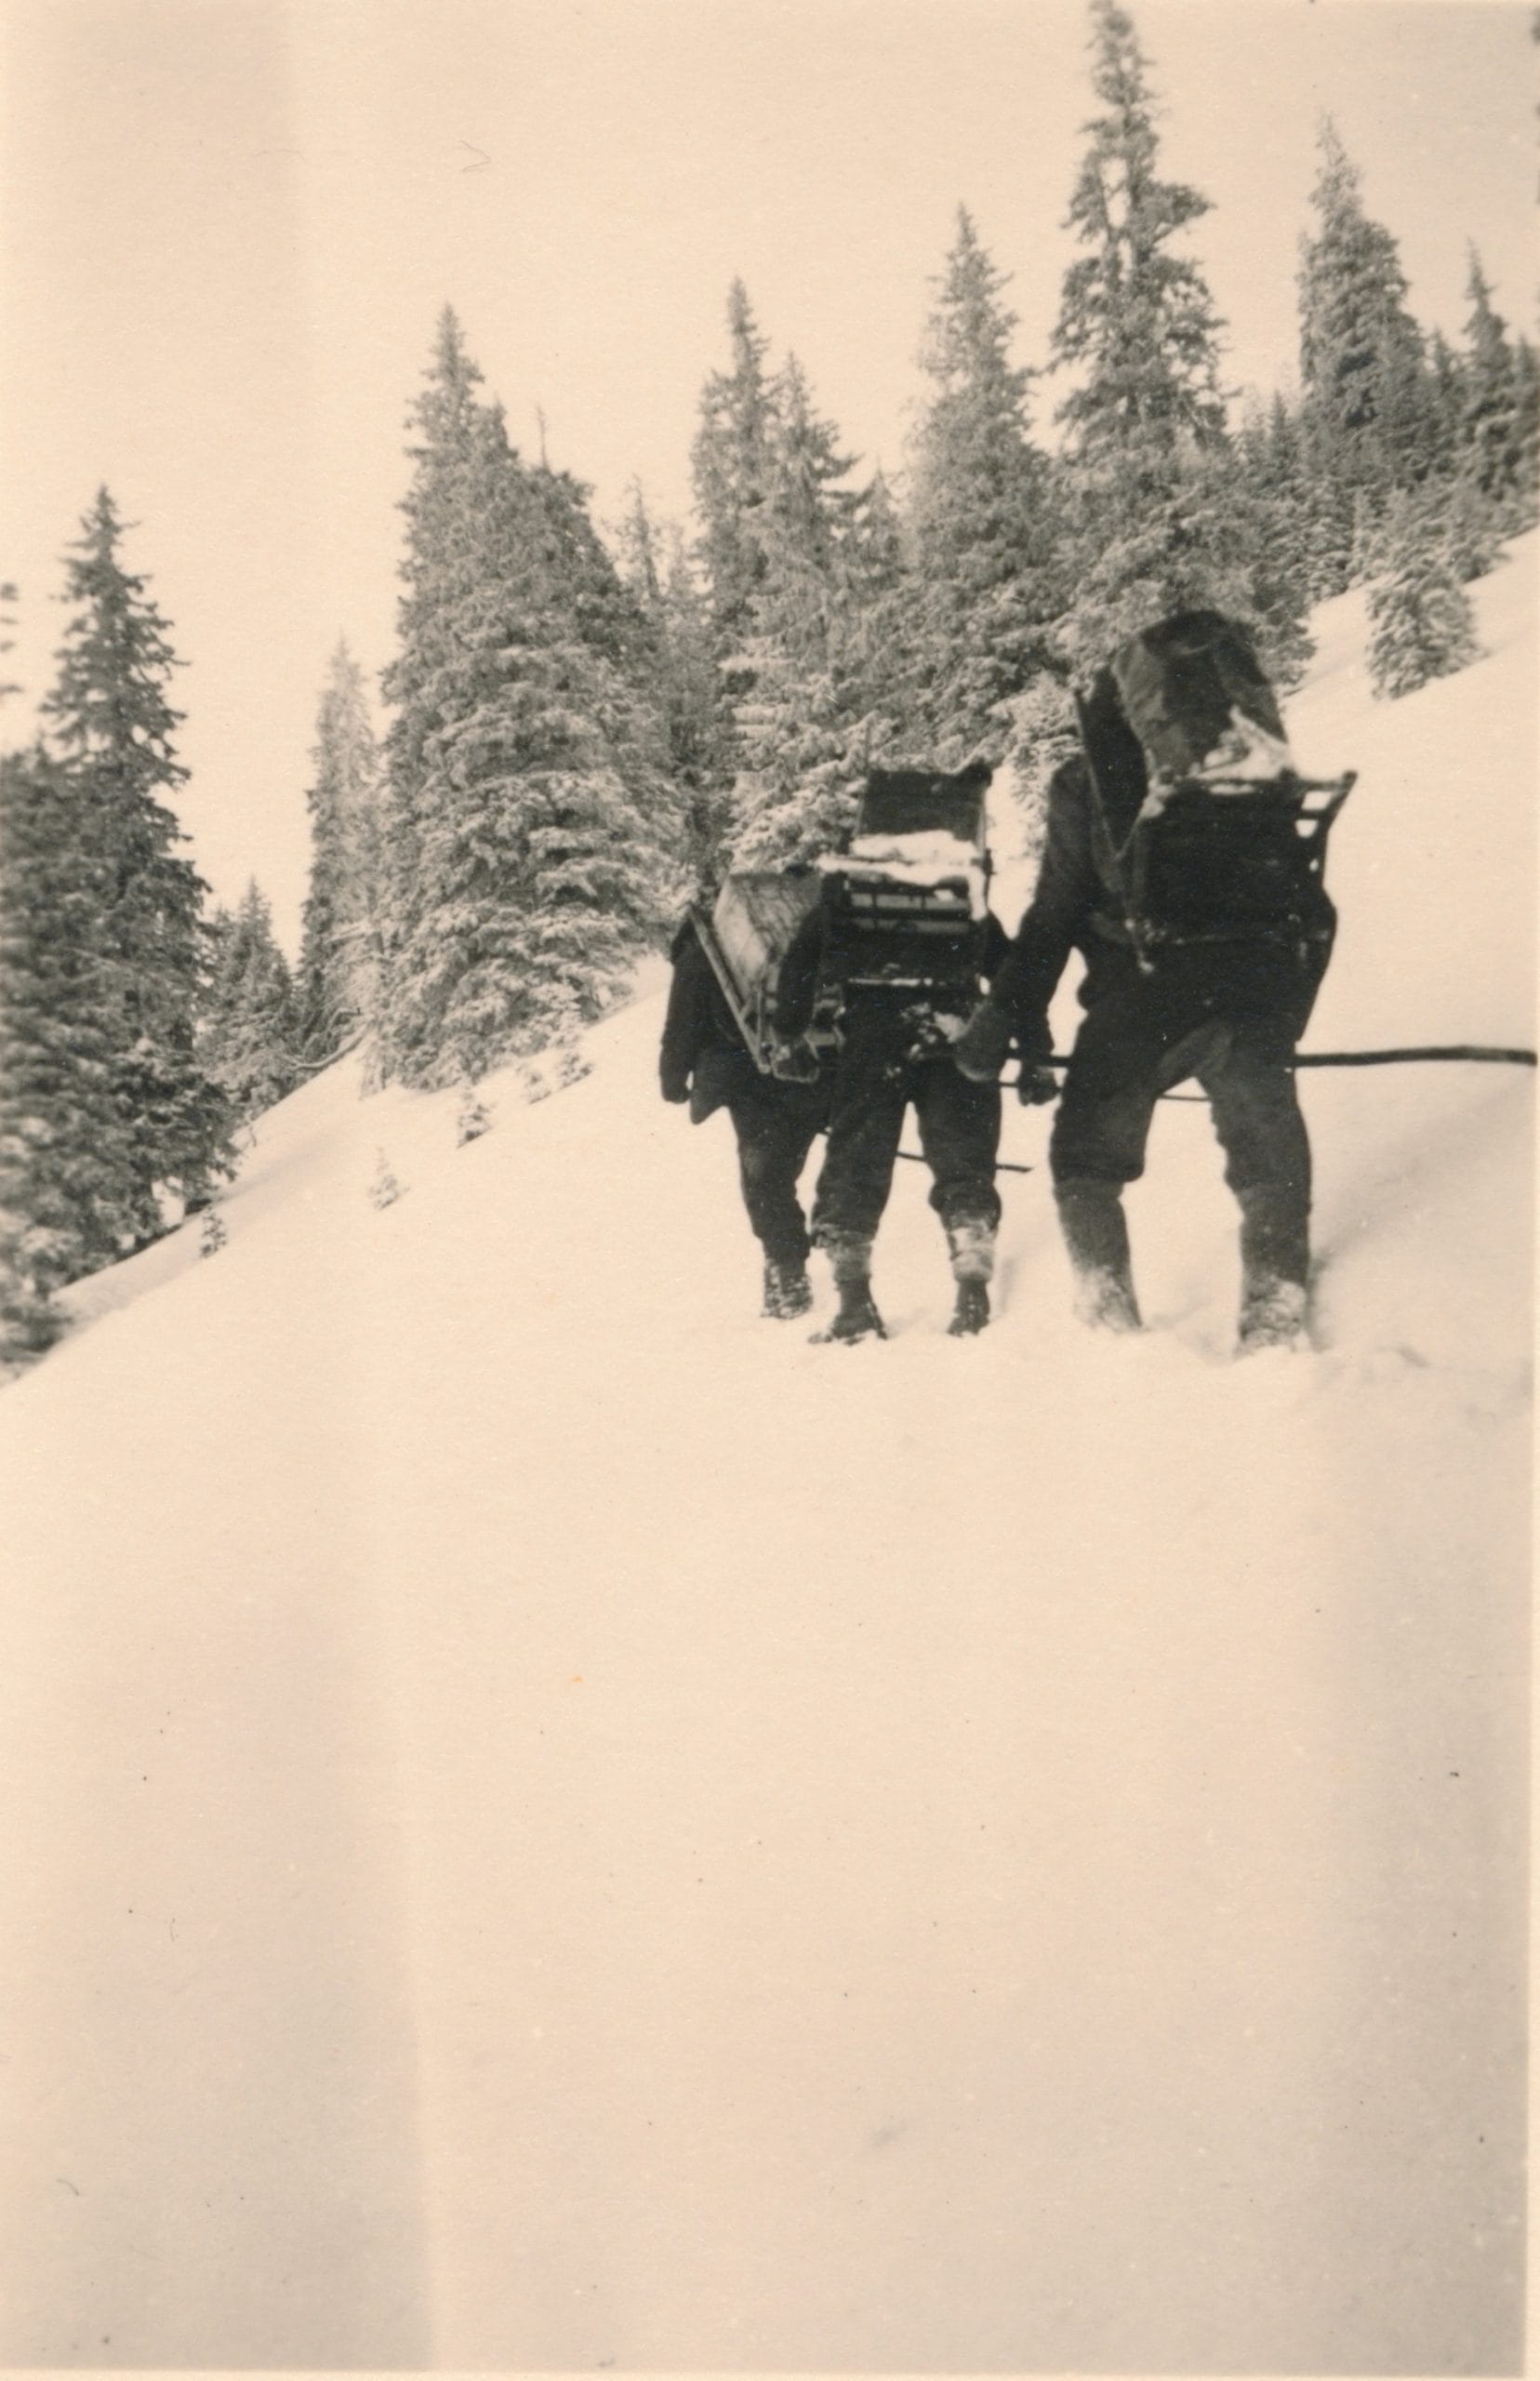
[972, 1243]
[1275, 1264]
[1095, 1234]
[787, 1291]
[1273, 1315]
[850, 1257]
[971, 1313]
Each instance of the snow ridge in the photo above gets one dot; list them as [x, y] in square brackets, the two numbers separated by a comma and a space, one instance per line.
[574, 1827]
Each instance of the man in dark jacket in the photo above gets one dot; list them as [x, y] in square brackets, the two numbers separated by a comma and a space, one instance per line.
[704, 1061]
[894, 1052]
[1230, 1016]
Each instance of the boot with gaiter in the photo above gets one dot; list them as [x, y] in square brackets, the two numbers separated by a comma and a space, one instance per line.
[787, 1291]
[1095, 1234]
[972, 1243]
[857, 1318]
[1275, 1266]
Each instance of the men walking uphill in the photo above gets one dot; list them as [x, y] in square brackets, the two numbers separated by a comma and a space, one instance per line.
[894, 951]
[706, 1062]
[1184, 860]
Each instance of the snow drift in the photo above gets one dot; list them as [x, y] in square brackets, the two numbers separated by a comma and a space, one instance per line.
[555, 1824]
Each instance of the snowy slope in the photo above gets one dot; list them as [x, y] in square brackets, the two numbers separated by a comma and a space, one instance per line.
[557, 1824]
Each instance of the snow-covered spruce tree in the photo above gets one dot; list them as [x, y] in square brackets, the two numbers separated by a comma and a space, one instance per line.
[1366, 547]
[607, 863]
[793, 653]
[337, 986]
[1157, 509]
[1493, 435]
[985, 577]
[1447, 398]
[109, 721]
[879, 649]
[1330, 508]
[626, 657]
[1526, 383]
[1421, 624]
[1275, 501]
[251, 1038]
[809, 676]
[438, 572]
[785, 735]
[1369, 397]
[512, 762]
[1472, 530]
[655, 566]
[730, 464]
[1044, 732]
[72, 1197]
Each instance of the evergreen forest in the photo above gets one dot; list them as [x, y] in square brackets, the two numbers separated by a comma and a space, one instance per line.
[583, 726]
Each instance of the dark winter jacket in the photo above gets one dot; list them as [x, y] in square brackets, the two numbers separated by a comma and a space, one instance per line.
[805, 970]
[702, 1058]
[1078, 906]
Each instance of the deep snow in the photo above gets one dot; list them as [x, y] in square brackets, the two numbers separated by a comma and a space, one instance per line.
[555, 1824]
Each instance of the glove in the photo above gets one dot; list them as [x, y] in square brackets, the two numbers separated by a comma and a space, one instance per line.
[1037, 1086]
[676, 1090]
[981, 1048]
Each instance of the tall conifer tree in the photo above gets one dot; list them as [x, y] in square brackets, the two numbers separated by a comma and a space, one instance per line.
[1446, 397]
[251, 1028]
[982, 516]
[437, 571]
[811, 687]
[731, 463]
[1136, 320]
[1491, 436]
[71, 1188]
[1526, 406]
[1421, 622]
[514, 759]
[113, 726]
[1153, 493]
[338, 990]
[655, 566]
[1272, 499]
[1369, 400]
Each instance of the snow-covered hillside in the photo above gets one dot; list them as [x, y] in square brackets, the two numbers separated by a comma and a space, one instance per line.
[555, 1824]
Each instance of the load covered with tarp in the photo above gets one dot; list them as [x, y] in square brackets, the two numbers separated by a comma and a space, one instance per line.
[1183, 703]
[1212, 836]
[745, 936]
[907, 900]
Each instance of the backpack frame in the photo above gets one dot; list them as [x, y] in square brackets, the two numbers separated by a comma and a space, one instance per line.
[745, 936]
[1202, 850]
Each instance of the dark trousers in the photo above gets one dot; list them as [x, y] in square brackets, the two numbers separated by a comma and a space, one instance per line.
[775, 1125]
[875, 1082]
[1133, 1046]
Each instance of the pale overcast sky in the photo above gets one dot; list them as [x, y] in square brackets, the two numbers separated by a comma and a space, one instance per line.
[230, 226]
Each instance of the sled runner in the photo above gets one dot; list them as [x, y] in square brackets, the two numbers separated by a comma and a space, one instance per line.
[745, 937]
[1211, 834]
[907, 902]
